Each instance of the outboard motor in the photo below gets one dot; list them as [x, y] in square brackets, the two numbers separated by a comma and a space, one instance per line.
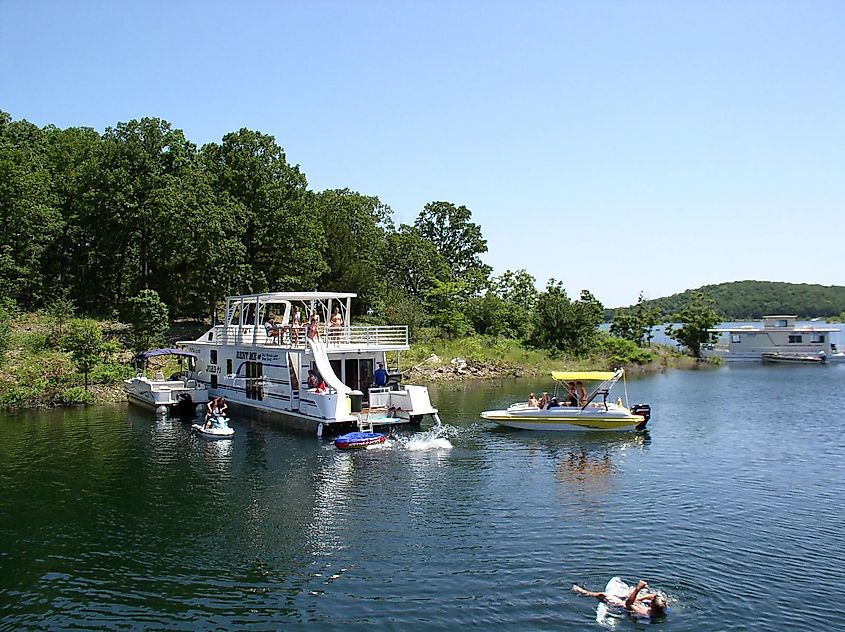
[645, 411]
[184, 405]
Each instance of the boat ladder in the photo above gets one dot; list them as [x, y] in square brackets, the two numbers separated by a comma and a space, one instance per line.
[365, 424]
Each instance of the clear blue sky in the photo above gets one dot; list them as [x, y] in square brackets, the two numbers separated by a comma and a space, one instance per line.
[617, 146]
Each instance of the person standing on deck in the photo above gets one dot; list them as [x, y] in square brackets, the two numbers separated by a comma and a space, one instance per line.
[313, 329]
[380, 375]
[295, 325]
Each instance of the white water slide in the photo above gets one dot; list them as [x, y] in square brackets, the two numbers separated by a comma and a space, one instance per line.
[321, 358]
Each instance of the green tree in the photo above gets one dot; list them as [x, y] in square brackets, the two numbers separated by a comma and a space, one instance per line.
[61, 310]
[636, 324]
[414, 264]
[204, 259]
[458, 239]
[562, 325]
[356, 228]
[5, 332]
[122, 224]
[73, 160]
[446, 303]
[148, 315]
[507, 306]
[283, 242]
[84, 341]
[29, 220]
[696, 318]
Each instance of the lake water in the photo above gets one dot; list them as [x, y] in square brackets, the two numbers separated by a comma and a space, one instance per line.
[731, 504]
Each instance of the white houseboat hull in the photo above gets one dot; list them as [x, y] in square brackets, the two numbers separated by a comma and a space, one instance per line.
[264, 372]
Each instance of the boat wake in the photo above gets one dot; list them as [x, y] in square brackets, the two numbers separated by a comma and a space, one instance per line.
[435, 439]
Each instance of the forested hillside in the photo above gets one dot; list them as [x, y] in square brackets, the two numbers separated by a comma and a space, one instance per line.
[90, 221]
[742, 300]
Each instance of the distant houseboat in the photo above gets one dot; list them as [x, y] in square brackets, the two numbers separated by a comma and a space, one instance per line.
[777, 335]
[261, 358]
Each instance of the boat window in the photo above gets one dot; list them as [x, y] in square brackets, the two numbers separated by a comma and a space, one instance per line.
[228, 366]
[782, 323]
[816, 337]
[213, 381]
[213, 356]
[736, 338]
[796, 338]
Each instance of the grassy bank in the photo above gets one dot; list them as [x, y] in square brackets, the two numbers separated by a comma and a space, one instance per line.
[479, 357]
[37, 371]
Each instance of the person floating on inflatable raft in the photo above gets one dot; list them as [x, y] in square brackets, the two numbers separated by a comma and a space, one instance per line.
[650, 605]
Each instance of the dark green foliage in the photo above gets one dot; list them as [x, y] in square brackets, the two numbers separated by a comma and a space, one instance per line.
[636, 324]
[561, 325]
[84, 341]
[76, 396]
[111, 373]
[148, 316]
[413, 262]
[5, 332]
[458, 239]
[696, 317]
[356, 229]
[744, 300]
[505, 309]
[621, 351]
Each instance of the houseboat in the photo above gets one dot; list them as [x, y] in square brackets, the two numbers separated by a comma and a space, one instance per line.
[295, 358]
[776, 335]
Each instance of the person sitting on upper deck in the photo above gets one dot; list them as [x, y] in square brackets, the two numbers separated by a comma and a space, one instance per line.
[272, 329]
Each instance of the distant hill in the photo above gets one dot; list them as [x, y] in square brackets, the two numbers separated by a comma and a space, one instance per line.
[745, 300]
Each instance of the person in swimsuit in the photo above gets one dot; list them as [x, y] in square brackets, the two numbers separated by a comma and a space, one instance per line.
[645, 605]
[313, 329]
[295, 325]
[582, 393]
[335, 325]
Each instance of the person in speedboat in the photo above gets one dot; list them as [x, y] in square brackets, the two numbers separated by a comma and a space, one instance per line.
[582, 393]
[572, 398]
[532, 401]
[650, 605]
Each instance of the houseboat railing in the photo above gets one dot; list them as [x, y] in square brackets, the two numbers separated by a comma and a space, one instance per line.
[356, 336]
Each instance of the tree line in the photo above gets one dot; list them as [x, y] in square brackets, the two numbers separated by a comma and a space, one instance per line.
[748, 300]
[96, 222]
[97, 218]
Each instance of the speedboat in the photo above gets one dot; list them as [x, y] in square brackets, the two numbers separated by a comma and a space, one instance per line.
[595, 413]
[218, 429]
